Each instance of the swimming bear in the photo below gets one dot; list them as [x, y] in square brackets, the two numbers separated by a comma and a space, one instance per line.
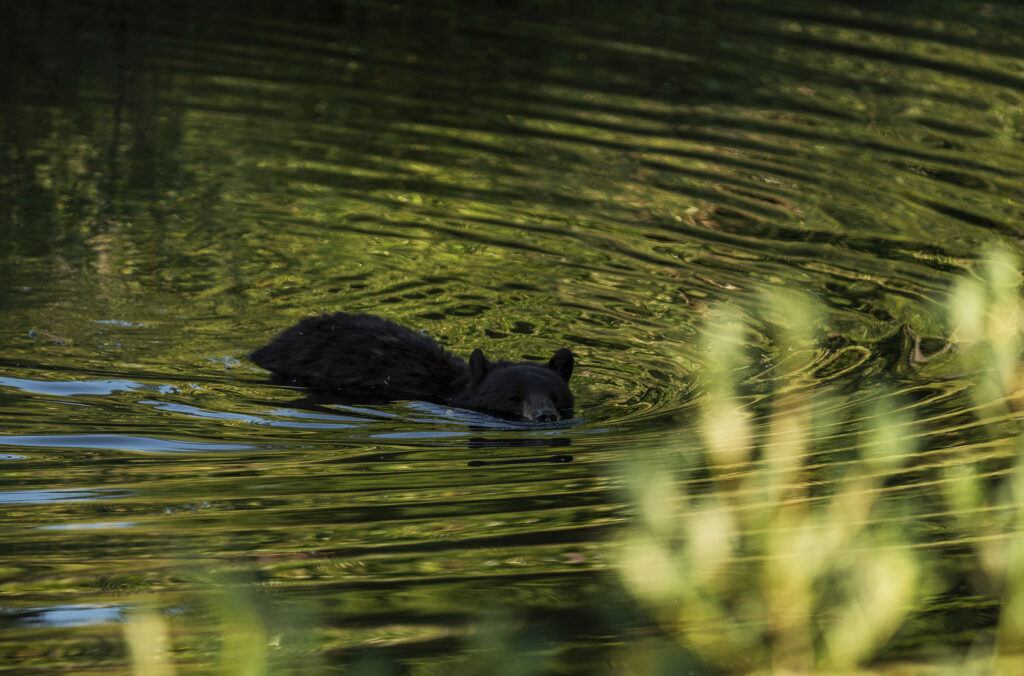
[369, 359]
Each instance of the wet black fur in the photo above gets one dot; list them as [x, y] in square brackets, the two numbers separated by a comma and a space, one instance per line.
[369, 359]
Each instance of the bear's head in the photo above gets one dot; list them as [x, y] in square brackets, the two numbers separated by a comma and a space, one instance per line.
[520, 390]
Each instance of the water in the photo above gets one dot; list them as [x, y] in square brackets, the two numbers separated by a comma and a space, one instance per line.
[181, 183]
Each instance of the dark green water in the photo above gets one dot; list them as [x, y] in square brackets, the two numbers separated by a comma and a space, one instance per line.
[177, 184]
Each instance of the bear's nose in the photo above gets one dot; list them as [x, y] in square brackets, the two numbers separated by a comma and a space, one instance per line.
[538, 408]
[547, 415]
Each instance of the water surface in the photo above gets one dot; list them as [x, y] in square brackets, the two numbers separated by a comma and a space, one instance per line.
[180, 183]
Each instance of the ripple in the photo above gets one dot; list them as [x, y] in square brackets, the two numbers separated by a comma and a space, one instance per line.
[90, 526]
[79, 387]
[76, 615]
[123, 443]
[56, 495]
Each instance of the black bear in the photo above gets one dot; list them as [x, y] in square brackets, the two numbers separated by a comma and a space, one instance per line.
[366, 358]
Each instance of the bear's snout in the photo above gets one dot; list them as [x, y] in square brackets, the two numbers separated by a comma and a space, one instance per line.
[539, 408]
[547, 415]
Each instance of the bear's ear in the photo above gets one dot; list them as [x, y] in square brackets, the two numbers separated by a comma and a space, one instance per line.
[562, 363]
[478, 365]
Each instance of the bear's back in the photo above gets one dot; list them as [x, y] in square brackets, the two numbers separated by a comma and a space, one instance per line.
[363, 355]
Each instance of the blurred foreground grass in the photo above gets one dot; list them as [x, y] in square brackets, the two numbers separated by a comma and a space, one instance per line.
[809, 542]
